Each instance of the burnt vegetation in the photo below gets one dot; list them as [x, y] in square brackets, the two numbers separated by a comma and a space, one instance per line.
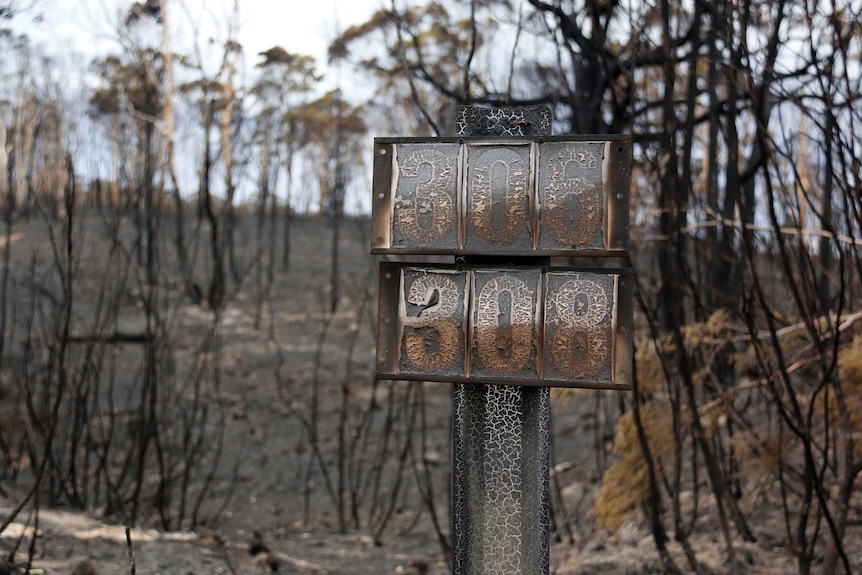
[145, 212]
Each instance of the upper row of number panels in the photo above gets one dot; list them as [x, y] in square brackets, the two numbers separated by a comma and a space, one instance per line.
[524, 196]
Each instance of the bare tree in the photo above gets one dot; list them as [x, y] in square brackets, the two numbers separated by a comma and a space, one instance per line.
[736, 246]
[335, 130]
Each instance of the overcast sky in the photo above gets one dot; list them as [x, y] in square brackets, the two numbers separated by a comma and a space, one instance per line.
[87, 27]
[72, 33]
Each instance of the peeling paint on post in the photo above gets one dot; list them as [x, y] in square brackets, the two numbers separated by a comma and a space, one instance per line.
[501, 443]
[502, 324]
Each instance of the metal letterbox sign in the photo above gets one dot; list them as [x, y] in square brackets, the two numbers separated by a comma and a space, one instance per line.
[561, 327]
[524, 196]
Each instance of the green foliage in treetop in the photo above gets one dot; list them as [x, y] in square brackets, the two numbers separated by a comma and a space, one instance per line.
[330, 114]
[340, 48]
[133, 83]
[291, 71]
[430, 40]
[433, 25]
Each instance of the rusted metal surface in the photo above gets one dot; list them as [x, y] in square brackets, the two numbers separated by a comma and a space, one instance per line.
[500, 483]
[503, 193]
[501, 433]
[525, 196]
[498, 197]
[523, 325]
[521, 121]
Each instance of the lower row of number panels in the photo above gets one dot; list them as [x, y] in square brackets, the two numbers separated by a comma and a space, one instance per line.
[525, 325]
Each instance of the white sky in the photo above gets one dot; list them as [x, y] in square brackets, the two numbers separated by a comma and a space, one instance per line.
[87, 27]
[72, 33]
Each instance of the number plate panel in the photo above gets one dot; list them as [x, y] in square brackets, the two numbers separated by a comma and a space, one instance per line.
[521, 196]
[523, 325]
[426, 201]
[504, 324]
[499, 199]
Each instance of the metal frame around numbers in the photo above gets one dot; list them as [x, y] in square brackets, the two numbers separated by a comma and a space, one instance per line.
[526, 197]
[503, 325]
[529, 325]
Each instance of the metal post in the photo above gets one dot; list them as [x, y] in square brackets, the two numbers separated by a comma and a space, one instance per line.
[503, 323]
[501, 440]
[501, 465]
